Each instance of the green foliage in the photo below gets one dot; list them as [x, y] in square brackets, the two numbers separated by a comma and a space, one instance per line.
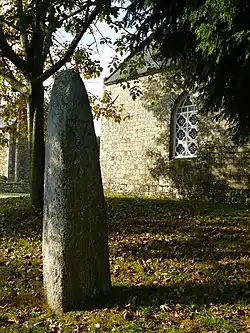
[176, 266]
[106, 107]
[31, 31]
[30, 53]
[208, 43]
[13, 106]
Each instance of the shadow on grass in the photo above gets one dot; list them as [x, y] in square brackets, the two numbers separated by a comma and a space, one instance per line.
[19, 219]
[198, 248]
[179, 229]
[198, 231]
[195, 295]
[128, 215]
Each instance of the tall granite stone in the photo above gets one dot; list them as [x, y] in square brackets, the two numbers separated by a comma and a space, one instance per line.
[75, 239]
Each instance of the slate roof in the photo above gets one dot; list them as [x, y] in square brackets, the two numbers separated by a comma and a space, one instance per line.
[151, 66]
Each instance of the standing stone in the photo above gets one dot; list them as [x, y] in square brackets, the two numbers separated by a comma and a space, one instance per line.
[75, 239]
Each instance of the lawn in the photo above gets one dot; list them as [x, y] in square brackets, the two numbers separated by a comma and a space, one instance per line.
[175, 266]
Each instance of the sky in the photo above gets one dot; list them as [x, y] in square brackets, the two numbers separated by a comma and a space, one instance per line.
[104, 54]
[95, 86]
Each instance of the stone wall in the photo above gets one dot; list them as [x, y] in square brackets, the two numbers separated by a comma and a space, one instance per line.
[14, 187]
[135, 155]
[21, 173]
[124, 146]
[3, 161]
[14, 160]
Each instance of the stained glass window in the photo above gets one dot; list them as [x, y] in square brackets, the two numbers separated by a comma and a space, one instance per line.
[185, 129]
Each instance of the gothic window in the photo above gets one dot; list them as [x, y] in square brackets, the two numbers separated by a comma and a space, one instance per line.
[185, 130]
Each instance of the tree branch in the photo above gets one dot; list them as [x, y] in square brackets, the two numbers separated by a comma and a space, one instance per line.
[51, 59]
[71, 47]
[7, 52]
[23, 32]
[87, 4]
[140, 47]
[51, 29]
[10, 78]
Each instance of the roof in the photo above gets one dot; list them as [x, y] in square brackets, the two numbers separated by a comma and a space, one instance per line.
[151, 66]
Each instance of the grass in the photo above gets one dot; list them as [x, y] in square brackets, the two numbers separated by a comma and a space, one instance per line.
[12, 194]
[176, 267]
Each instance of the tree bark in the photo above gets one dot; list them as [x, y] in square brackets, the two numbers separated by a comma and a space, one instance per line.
[36, 143]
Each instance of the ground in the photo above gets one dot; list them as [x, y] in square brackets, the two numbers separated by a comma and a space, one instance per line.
[176, 267]
[10, 195]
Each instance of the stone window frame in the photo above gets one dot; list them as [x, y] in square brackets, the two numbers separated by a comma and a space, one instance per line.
[180, 99]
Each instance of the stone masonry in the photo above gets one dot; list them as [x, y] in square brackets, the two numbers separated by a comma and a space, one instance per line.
[14, 162]
[3, 161]
[136, 155]
[125, 146]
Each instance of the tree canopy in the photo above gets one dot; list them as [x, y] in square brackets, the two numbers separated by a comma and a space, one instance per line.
[30, 53]
[207, 43]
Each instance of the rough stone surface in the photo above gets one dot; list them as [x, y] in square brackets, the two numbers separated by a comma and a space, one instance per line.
[14, 160]
[135, 154]
[14, 187]
[4, 161]
[21, 159]
[75, 242]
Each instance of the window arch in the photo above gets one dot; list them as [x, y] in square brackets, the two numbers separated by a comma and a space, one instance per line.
[185, 129]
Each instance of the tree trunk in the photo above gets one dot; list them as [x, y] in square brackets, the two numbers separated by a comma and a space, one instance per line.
[36, 143]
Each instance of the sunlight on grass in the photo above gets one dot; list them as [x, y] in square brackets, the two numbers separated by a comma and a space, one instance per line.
[176, 267]
[211, 322]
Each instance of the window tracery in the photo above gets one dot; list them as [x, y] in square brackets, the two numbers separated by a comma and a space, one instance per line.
[185, 129]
